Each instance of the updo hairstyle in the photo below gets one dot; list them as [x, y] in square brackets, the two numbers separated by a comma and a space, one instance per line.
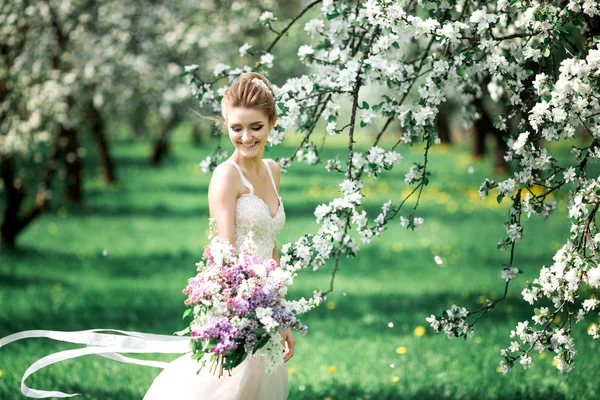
[247, 94]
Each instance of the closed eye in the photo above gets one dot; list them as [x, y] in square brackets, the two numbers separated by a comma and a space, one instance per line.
[255, 128]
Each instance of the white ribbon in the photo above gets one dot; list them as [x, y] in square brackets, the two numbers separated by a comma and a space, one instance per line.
[102, 344]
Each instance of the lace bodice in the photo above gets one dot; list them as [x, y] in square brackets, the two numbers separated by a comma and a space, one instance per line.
[252, 214]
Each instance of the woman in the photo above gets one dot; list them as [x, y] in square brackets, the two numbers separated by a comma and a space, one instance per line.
[243, 196]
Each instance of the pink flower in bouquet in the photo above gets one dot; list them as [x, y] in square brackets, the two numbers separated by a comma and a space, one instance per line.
[199, 289]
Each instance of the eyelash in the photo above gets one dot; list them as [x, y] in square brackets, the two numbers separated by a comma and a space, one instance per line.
[256, 128]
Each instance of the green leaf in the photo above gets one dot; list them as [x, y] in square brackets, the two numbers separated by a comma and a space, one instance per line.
[365, 105]
[333, 16]
[261, 342]
[182, 332]
[499, 198]
[396, 45]
[546, 52]
[377, 107]
[186, 313]
[362, 124]
[596, 39]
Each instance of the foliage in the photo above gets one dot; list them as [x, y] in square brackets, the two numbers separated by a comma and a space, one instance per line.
[539, 60]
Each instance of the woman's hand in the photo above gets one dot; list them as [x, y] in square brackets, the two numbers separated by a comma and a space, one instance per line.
[288, 343]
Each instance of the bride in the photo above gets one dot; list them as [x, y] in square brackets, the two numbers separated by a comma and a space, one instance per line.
[243, 196]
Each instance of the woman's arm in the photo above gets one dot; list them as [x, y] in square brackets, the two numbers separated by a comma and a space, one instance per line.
[221, 201]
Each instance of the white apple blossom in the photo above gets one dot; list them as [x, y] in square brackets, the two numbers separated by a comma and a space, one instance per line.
[501, 43]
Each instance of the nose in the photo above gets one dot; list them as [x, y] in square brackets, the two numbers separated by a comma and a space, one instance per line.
[246, 136]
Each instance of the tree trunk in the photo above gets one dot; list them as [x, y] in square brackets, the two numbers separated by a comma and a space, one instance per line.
[99, 132]
[500, 164]
[196, 135]
[14, 198]
[443, 123]
[74, 192]
[479, 131]
[483, 127]
[12, 225]
[161, 147]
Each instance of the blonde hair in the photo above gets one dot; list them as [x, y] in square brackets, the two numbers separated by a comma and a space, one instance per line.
[245, 93]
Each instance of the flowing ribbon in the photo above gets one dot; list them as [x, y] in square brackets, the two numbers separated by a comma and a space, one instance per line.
[102, 344]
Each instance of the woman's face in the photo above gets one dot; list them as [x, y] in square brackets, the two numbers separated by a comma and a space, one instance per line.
[248, 130]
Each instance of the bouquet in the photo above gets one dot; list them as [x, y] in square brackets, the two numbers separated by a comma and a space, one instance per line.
[238, 305]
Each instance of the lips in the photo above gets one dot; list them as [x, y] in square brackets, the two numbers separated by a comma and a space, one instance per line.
[249, 146]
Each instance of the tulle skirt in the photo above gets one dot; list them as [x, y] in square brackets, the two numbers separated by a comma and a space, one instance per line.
[248, 381]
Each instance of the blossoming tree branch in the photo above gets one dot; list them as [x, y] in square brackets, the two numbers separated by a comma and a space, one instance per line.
[538, 60]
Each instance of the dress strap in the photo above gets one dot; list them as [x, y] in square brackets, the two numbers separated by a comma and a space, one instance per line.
[271, 176]
[245, 181]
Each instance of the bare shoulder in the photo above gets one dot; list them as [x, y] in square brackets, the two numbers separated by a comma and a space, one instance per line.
[221, 180]
[274, 167]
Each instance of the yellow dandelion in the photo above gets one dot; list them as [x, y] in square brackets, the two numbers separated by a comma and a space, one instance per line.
[397, 247]
[313, 192]
[332, 369]
[292, 371]
[419, 331]
[592, 326]
[395, 379]
[554, 362]
[537, 189]
[556, 319]
[1, 372]
[498, 370]
[543, 355]
[478, 339]
[401, 350]
[330, 305]
[481, 299]
[328, 398]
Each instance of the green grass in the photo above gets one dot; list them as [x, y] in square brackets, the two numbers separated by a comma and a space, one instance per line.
[153, 227]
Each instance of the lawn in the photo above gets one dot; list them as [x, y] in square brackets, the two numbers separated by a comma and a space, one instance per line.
[121, 260]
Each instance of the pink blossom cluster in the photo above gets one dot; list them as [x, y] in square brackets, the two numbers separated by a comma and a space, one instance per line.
[237, 302]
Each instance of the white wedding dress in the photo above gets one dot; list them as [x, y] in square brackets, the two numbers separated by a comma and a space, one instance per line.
[248, 381]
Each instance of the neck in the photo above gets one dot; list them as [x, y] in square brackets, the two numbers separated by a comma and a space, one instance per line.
[252, 165]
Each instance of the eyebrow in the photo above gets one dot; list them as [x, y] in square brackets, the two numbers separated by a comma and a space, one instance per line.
[253, 123]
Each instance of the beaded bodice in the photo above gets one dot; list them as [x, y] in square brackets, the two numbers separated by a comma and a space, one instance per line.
[252, 214]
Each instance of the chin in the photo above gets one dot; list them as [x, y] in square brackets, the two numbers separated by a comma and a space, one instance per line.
[250, 152]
